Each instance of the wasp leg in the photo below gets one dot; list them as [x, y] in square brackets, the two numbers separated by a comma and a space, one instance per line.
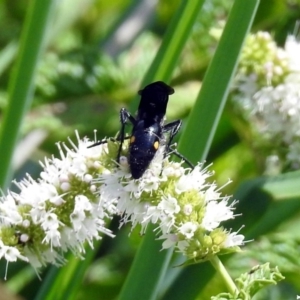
[100, 143]
[172, 128]
[106, 140]
[125, 116]
[179, 155]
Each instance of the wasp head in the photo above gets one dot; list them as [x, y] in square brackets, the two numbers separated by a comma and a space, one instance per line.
[154, 100]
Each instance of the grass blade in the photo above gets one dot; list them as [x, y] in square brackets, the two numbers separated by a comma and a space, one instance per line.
[21, 83]
[149, 257]
[204, 118]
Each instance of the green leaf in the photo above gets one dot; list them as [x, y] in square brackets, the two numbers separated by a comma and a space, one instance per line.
[283, 186]
[276, 199]
[251, 282]
[64, 283]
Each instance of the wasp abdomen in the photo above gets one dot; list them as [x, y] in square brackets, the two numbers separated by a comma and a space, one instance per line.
[142, 149]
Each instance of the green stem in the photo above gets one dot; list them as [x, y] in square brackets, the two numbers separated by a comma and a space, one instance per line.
[219, 267]
[21, 85]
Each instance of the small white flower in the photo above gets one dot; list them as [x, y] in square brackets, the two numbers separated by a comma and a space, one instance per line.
[50, 221]
[58, 201]
[149, 182]
[26, 223]
[88, 178]
[134, 188]
[77, 218]
[169, 205]
[52, 237]
[82, 203]
[196, 179]
[188, 229]
[216, 212]
[11, 254]
[182, 246]
[9, 211]
[170, 240]
[174, 169]
[65, 186]
[187, 209]
[234, 239]
[211, 193]
[167, 223]
[24, 238]
[123, 161]
[292, 49]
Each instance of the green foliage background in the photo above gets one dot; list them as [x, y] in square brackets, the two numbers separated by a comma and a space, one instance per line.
[75, 71]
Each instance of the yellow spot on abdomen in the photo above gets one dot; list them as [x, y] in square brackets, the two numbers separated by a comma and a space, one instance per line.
[132, 139]
[156, 145]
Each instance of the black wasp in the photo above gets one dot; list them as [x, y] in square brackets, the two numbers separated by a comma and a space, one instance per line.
[148, 132]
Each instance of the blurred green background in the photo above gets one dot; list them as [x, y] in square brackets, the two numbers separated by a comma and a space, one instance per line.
[96, 55]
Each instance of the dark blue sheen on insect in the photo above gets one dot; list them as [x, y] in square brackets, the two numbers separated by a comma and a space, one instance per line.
[148, 129]
[144, 143]
[148, 132]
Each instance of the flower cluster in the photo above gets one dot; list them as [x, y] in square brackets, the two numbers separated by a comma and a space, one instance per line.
[59, 212]
[184, 207]
[76, 194]
[267, 88]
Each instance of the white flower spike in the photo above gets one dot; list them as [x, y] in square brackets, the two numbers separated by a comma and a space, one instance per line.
[76, 194]
[60, 211]
[186, 209]
[267, 90]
